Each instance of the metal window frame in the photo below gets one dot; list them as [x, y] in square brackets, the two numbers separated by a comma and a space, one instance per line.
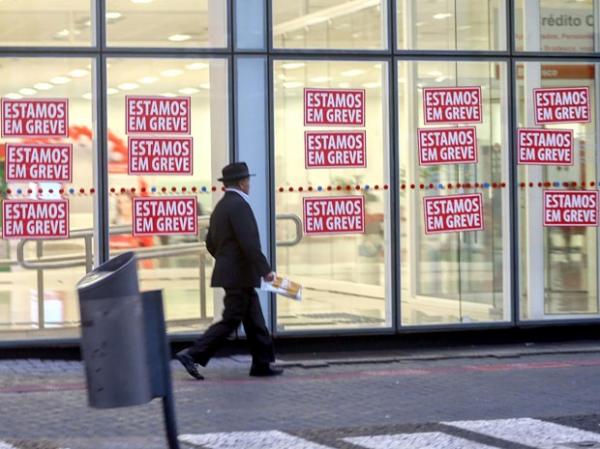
[100, 52]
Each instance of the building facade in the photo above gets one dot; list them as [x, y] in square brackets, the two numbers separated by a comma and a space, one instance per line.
[419, 164]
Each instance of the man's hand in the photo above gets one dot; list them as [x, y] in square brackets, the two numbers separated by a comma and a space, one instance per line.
[270, 277]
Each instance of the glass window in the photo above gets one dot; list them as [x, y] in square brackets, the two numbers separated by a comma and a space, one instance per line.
[48, 23]
[165, 23]
[178, 264]
[448, 275]
[558, 261]
[43, 303]
[339, 159]
[337, 24]
[451, 25]
[555, 26]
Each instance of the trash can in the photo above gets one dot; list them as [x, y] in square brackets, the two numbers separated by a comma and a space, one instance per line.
[113, 335]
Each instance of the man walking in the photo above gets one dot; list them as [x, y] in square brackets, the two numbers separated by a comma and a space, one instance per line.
[234, 242]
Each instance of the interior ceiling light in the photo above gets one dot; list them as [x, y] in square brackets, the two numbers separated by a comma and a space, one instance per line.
[439, 79]
[13, 96]
[319, 79]
[43, 86]
[189, 90]
[128, 86]
[292, 84]
[442, 15]
[371, 85]
[196, 66]
[171, 73]
[87, 96]
[28, 91]
[113, 15]
[78, 73]
[205, 86]
[179, 37]
[168, 94]
[352, 73]
[148, 80]
[344, 85]
[59, 80]
[292, 65]
[112, 91]
[141, 2]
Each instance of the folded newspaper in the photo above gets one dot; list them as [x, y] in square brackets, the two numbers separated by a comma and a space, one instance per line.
[283, 286]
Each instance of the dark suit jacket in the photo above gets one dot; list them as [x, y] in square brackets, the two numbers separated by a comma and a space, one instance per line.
[234, 242]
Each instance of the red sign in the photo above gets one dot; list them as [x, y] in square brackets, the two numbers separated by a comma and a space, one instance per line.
[34, 219]
[160, 155]
[562, 105]
[342, 107]
[545, 146]
[453, 213]
[35, 118]
[165, 216]
[447, 146]
[39, 162]
[452, 105]
[335, 149]
[334, 215]
[158, 115]
[570, 208]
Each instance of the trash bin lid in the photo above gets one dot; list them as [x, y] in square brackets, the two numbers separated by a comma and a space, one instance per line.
[115, 277]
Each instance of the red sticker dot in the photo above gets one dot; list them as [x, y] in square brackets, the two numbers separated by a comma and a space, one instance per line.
[385, 187]
[213, 188]
[300, 189]
[281, 189]
[329, 188]
[92, 190]
[290, 189]
[421, 186]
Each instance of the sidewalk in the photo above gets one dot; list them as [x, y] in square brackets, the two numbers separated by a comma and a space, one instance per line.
[330, 401]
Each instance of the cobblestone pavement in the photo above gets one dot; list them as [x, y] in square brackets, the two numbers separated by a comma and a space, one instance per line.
[509, 400]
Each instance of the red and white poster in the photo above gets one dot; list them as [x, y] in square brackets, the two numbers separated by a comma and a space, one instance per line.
[165, 216]
[158, 115]
[453, 213]
[160, 155]
[39, 162]
[35, 219]
[334, 215]
[439, 146]
[335, 149]
[452, 105]
[545, 146]
[35, 117]
[562, 105]
[570, 208]
[339, 107]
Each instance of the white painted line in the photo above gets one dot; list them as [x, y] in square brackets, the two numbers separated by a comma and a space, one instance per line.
[427, 440]
[530, 432]
[4, 445]
[271, 439]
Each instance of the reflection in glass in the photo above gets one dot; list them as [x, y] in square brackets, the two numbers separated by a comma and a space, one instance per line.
[345, 277]
[185, 278]
[340, 24]
[450, 25]
[46, 23]
[455, 277]
[44, 304]
[165, 23]
[558, 264]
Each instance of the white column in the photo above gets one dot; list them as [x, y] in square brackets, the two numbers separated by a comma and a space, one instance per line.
[534, 230]
[251, 137]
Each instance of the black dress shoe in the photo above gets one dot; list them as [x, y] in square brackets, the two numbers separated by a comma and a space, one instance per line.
[188, 363]
[264, 371]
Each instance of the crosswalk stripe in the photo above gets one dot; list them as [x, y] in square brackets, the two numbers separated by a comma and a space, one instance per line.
[272, 439]
[530, 432]
[425, 440]
[4, 445]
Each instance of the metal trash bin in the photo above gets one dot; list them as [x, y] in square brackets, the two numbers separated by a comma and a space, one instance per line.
[113, 335]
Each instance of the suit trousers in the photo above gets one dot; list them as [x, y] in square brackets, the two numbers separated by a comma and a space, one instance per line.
[241, 306]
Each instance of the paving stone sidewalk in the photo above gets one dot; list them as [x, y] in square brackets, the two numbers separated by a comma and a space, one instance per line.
[43, 403]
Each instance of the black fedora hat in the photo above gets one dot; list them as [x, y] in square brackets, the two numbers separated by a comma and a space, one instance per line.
[235, 171]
